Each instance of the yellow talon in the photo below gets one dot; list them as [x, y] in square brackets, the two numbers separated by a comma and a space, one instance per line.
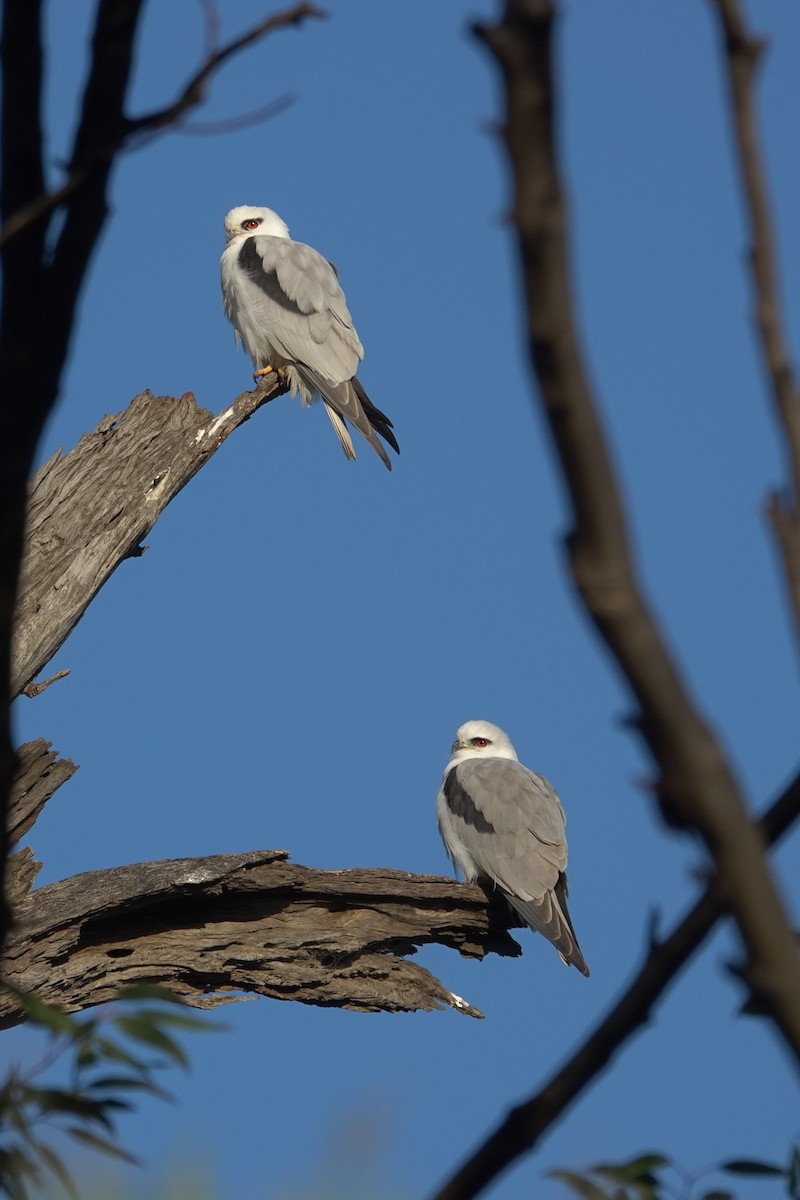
[268, 370]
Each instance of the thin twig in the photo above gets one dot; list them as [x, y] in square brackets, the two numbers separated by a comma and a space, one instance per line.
[742, 54]
[194, 91]
[525, 1125]
[31, 689]
[41, 206]
[243, 121]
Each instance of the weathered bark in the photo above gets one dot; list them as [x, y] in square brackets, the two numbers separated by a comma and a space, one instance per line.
[89, 510]
[216, 929]
[40, 773]
[213, 929]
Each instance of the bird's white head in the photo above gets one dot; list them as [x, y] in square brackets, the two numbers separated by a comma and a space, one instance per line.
[247, 219]
[481, 738]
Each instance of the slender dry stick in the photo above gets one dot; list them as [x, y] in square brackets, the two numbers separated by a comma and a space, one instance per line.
[696, 784]
[194, 91]
[741, 57]
[525, 1125]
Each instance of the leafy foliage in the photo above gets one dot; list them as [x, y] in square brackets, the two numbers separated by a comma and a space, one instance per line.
[109, 1058]
[656, 1177]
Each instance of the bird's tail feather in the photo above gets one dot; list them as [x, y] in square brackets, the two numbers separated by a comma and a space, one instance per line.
[377, 419]
[341, 431]
[550, 917]
[345, 400]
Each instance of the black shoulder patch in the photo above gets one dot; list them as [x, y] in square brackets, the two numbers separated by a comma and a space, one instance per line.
[462, 805]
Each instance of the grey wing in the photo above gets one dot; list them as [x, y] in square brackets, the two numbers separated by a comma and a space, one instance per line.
[526, 849]
[306, 319]
[309, 321]
[513, 826]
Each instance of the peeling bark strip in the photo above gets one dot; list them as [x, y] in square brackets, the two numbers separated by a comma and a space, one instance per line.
[40, 773]
[215, 929]
[90, 509]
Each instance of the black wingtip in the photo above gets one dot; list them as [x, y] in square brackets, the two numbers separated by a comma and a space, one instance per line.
[377, 419]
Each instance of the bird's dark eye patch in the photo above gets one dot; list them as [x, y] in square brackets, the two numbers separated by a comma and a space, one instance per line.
[480, 742]
[251, 223]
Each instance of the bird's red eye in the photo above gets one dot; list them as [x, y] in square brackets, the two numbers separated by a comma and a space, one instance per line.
[480, 742]
[251, 224]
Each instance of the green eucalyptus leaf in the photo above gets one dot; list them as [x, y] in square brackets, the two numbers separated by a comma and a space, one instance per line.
[140, 1029]
[581, 1185]
[101, 1144]
[148, 991]
[186, 1021]
[113, 1052]
[751, 1166]
[793, 1182]
[49, 1016]
[56, 1167]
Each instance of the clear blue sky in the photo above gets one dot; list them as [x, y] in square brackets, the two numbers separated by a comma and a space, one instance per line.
[287, 664]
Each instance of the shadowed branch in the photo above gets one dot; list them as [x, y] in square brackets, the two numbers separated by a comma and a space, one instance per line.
[742, 54]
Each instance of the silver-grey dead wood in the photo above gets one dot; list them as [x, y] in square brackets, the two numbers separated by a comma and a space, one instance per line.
[212, 929]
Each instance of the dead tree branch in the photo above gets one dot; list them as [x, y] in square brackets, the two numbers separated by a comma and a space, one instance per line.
[526, 1124]
[696, 784]
[90, 509]
[41, 772]
[742, 54]
[213, 929]
[229, 926]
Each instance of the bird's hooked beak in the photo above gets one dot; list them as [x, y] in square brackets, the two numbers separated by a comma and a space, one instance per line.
[458, 745]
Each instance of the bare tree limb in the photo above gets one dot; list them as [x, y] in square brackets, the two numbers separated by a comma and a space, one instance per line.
[228, 927]
[242, 121]
[35, 689]
[194, 92]
[89, 510]
[742, 53]
[526, 1124]
[225, 927]
[696, 787]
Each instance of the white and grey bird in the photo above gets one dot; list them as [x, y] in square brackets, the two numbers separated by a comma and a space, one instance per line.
[286, 304]
[503, 825]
